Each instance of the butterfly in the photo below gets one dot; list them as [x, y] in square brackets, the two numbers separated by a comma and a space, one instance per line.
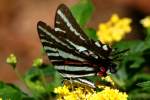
[71, 52]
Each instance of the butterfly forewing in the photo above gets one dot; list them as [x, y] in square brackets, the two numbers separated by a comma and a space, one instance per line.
[54, 46]
[50, 39]
[66, 22]
[70, 31]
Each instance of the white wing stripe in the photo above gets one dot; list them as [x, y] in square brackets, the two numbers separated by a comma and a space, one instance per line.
[105, 47]
[80, 48]
[57, 22]
[59, 30]
[97, 44]
[62, 53]
[73, 68]
[52, 36]
[67, 55]
[75, 76]
[68, 23]
[86, 82]
[49, 48]
[46, 41]
[53, 54]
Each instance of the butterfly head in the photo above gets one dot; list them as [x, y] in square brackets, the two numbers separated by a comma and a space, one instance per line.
[109, 68]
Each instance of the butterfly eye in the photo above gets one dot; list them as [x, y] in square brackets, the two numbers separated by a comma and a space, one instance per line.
[102, 72]
[103, 69]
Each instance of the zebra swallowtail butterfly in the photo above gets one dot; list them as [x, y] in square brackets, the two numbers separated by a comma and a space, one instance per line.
[71, 52]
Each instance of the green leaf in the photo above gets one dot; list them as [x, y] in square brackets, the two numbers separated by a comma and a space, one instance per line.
[147, 34]
[120, 78]
[42, 80]
[134, 46]
[134, 57]
[135, 60]
[144, 84]
[91, 33]
[56, 78]
[139, 94]
[11, 92]
[82, 11]
[43, 51]
[34, 82]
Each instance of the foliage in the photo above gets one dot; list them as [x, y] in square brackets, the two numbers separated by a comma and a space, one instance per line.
[83, 11]
[132, 74]
[132, 68]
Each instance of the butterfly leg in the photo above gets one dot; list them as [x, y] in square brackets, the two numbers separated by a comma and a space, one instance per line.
[71, 83]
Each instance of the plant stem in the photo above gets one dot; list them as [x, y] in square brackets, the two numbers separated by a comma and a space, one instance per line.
[22, 80]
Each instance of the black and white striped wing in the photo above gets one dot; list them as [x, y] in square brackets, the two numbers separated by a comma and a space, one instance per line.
[60, 52]
[71, 52]
[70, 32]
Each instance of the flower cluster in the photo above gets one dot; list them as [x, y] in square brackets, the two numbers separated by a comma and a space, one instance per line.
[113, 30]
[65, 94]
[108, 94]
[108, 79]
[76, 91]
[73, 91]
[80, 93]
[146, 22]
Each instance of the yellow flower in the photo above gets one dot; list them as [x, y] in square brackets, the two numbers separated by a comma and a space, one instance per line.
[79, 92]
[37, 62]
[1, 99]
[73, 92]
[109, 94]
[12, 60]
[108, 79]
[62, 90]
[146, 22]
[113, 30]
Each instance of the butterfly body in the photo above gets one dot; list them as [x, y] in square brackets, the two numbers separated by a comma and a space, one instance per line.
[71, 52]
